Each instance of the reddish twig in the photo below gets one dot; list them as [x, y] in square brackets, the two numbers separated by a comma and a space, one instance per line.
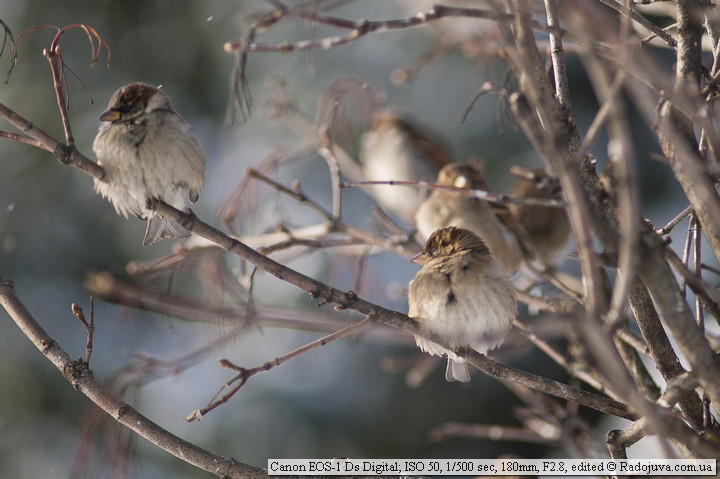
[58, 66]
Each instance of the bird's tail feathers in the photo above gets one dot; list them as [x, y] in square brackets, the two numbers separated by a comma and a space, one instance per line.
[159, 228]
[457, 370]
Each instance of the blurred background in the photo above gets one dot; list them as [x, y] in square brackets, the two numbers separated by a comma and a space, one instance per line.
[335, 401]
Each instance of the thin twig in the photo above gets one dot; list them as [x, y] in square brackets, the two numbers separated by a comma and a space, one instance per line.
[621, 183]
[89, 326]
[358, 28]
[64, 154]
[493, 432]
[709, 295]
[618, 441]
[404, 245]
[674, 222]
[556, 356]
[620, 7]
[385, 220]
[697, 261]
[327, 151]
[539, 383]
[245, 374]
[689, 239]
[631, 339]
[406, 74]
[487, 87]
[562, 90]
[601, 116]
[296, 192]
[23, 139]
[489, 196]
[58, 66]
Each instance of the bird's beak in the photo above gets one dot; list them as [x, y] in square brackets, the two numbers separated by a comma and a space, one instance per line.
[110, 115]
[420, 258]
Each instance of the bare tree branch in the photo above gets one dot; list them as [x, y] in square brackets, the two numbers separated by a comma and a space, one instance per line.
[676, 130]
[82, 379]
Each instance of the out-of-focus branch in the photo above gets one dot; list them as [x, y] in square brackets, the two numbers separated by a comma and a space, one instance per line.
[619, 377]
[676, 130]
[709, 295]
[660, 348]
[556, 356]
[671, 304]
[81, 378]
[317, 289]
[357, 29]
[543, 384]
[492, 432]
[485, 195]
[350, 300]
[660, 281]
[555, 154]
[554, 134]
[620, 183]
[688, 440]
[619, 6]
[405, 246]
[677, 138]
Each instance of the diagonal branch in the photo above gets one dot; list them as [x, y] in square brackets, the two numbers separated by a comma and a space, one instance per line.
[676, 130]
[315, 288]
[244, 374]
[82, 379]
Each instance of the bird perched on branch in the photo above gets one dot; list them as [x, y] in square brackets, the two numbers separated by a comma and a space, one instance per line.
[148, 152]
[461, 297]
[547, 228]
[451, 208]
[395, 148]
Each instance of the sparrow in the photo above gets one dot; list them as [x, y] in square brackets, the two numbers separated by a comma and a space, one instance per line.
[148, 151]
[461, 296]
[547, 228]
[449, 208]
[395, 148]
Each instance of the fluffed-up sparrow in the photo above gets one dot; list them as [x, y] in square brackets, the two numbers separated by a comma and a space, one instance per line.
[547, 228]
[461, 296]
[148, 151]
[395, 148]
[449, 208]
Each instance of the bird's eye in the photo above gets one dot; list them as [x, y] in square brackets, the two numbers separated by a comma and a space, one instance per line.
[433, 251]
